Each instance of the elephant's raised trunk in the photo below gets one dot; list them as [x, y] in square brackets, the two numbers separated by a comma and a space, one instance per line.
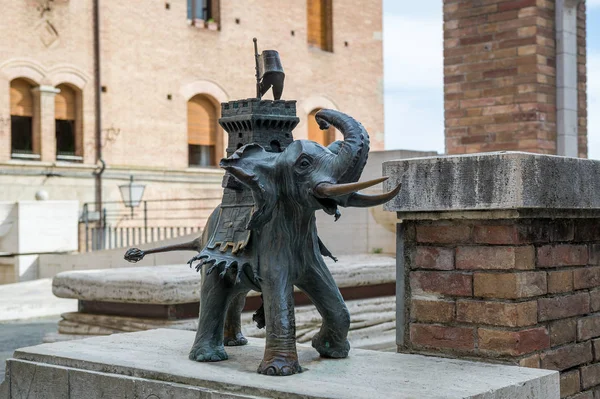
[353, 151]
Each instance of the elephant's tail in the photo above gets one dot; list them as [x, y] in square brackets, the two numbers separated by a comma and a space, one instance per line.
[259, 316]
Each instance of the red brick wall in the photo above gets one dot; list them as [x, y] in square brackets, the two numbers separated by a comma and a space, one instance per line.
[500, 76]
[522, 291]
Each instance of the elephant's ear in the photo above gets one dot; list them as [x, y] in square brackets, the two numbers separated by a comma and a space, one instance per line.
[254, 167]
[264, 198]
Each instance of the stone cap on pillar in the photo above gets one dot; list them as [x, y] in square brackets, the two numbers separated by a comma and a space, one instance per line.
[494, 185]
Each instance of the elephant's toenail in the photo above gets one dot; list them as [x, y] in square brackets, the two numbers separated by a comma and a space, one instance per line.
[271, 370]
[285, 370]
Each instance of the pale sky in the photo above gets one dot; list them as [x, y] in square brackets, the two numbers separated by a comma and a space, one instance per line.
[413, 67]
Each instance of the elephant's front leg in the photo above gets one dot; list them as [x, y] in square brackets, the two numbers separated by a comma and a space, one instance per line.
[233, 322]
[215, 295]
[280, 356]
[331, 341]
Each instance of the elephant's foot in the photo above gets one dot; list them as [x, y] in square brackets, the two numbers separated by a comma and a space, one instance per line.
[236, 339]
[207, 353]
[280, 364]
[330, 348]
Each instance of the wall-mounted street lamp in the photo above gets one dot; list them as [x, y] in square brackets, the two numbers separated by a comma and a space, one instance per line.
[132, 194]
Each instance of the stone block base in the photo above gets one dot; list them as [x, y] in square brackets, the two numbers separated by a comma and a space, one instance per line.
[154, 364]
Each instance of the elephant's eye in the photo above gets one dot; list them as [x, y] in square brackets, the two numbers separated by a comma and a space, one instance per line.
[303, 164]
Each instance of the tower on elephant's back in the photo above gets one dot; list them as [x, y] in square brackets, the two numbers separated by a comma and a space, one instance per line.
[268, 123]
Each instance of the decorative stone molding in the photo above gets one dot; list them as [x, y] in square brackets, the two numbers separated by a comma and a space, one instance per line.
[314, 102]
[40, 75]
[206, 87]
[68, 74]
[22, 68]
[308, 105]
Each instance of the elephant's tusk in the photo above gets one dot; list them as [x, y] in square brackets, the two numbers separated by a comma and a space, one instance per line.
[362, 201]
[328, 190]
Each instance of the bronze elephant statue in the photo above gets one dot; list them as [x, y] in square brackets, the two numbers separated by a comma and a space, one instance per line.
[281, 248]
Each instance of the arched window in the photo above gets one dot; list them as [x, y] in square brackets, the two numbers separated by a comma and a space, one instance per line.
[323, 137]
[21, 120]
[66, 112]
[320, 24]
[202, 131]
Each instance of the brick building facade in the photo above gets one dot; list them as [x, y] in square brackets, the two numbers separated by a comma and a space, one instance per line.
[164, 70]
[500, 77]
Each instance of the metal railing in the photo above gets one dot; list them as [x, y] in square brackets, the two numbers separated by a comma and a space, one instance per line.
[122, 237]
[117, 226]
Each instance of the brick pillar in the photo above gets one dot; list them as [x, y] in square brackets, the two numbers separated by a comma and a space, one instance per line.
[500, 257]
[500, 76]
[44, 126]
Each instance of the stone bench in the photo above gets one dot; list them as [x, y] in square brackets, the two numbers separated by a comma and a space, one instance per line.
[179, 284]
[141, 298]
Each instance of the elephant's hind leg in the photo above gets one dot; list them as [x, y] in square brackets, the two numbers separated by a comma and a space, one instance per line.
[331, 340]
[233, 322]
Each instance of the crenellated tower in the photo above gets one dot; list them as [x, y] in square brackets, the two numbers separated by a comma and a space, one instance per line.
[265, 122]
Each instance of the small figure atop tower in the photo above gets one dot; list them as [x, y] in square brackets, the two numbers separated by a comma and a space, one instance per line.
[269, 72]
[265, 122]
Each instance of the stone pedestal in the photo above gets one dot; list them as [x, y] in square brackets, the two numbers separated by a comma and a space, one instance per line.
[500, 258]
[154, 364]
